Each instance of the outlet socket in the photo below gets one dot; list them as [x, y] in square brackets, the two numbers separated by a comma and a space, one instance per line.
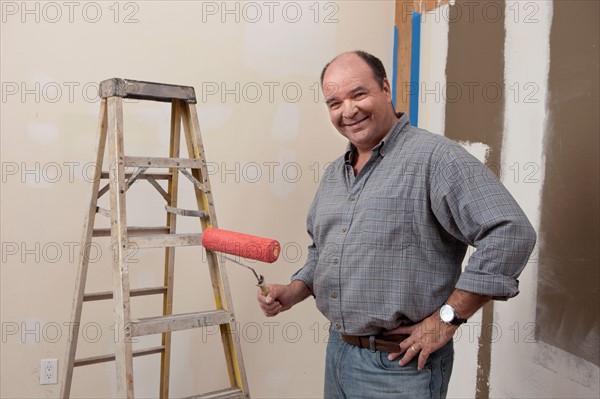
[48, 371]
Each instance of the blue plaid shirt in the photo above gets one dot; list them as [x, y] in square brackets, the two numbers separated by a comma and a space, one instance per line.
[388, 244]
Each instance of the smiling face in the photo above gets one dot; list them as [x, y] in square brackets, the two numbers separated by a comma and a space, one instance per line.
[359, 107]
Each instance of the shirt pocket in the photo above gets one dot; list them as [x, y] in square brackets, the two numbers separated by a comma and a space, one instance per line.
[388, 223]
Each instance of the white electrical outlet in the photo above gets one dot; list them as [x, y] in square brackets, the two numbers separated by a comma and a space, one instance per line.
[49, 371]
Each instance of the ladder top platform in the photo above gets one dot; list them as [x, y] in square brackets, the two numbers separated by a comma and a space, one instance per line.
[141, 90]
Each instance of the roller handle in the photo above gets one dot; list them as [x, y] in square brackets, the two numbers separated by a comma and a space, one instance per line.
[263, 287]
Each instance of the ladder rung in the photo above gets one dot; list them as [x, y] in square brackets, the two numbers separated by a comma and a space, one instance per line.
[86, 361]
[133, 231]
[161, 324]
[141, 90]
[187, 212]
[143, 176]
[100, 296]
[229, 393]
[158, 162]
[166, 240]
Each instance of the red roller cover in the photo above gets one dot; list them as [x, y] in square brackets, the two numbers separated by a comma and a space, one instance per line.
[244, 245]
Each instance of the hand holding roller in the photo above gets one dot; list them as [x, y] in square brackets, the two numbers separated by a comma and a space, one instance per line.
[244, 245]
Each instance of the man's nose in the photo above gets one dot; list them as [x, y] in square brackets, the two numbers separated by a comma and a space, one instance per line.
[349, 109]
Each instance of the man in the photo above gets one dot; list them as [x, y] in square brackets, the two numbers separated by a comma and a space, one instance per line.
[390, 224]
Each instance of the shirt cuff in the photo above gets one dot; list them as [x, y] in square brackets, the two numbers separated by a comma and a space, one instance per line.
[498, 286]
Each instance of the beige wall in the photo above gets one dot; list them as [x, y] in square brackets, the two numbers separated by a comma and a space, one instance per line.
[256, 144]
[54, 54]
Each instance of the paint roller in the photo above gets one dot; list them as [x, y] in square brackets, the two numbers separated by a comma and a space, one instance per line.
[243, 245]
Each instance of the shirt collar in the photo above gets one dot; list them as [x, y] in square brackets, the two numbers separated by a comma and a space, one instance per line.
[385, 143]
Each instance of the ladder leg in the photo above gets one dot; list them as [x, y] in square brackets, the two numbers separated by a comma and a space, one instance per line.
[84, 253]
[218, 275]
[170, 251]
[121, 305]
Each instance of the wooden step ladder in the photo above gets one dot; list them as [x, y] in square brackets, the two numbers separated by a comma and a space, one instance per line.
[124, 238]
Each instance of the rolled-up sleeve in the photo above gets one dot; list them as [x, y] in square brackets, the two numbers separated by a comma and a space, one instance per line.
[473, 206]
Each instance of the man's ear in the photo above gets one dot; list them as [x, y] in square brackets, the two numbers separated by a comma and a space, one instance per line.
[387, 89]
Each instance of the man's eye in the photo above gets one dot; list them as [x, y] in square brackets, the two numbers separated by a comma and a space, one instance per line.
[334, 105]
[360, 95]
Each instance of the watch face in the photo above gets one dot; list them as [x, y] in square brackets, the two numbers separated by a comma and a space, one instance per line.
[447, 313]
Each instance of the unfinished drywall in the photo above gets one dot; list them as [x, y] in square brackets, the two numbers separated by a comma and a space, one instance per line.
[521, 363]
[567, 306]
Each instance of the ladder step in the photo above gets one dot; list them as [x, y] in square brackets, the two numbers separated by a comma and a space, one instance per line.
[128, 88]
[100, 296]
[229, 393]
[142, 176]
[161, 324]
[187, 212]
[133, 231]
[159, 162]
[166, 240]
[86, 361]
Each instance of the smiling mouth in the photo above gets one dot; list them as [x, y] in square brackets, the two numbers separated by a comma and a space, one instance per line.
[356, 123]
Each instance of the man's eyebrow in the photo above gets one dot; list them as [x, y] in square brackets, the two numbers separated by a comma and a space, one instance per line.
[354, 90]
[330, 100]
[359, 88]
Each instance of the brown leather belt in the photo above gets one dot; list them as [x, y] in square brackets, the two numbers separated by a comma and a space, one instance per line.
[385, 343]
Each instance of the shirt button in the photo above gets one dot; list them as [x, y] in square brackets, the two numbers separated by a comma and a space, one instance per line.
[334, 295]
[336, 261]
[337, 326]
[344, 230]
[352, 198]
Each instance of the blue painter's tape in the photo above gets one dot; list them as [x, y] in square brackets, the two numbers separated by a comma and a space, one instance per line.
[395, 66]
[415, 61]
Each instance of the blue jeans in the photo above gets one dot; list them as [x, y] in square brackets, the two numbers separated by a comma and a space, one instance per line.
[353, 372]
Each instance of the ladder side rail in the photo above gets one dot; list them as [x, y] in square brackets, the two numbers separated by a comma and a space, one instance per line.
[222, 295]
[84, 256]
[120, 247]
[172, 192]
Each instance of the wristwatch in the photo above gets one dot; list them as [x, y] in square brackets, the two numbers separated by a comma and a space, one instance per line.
[448, 315]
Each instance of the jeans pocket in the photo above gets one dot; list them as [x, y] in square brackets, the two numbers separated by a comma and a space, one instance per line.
[392, 365]
[402, 381]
